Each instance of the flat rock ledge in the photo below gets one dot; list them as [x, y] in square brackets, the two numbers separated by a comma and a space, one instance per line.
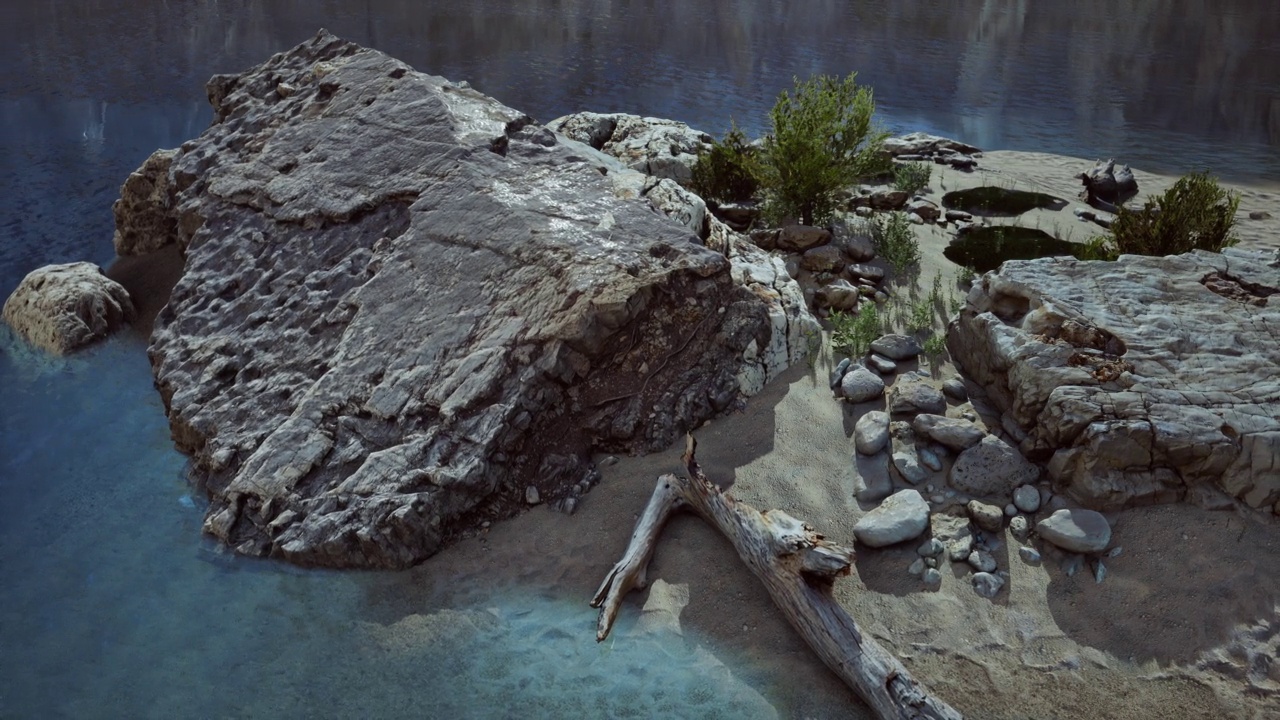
[1145, 380]
[62, 308]
[405, 305]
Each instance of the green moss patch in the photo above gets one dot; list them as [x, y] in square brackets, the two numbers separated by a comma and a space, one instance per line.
[994, 201]
[983, 248]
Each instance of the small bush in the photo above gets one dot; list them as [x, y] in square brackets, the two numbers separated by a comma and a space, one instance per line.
[1194, 214]
[912, 177]
[821, 141]
[895, 241]
[854, 333]
[934, 347]
[1098, 247]
[921, 317]
[726, 172]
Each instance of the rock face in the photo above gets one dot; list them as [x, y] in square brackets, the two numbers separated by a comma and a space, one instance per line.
[405, 305]
[61, 308]
[653, 146]
[1137, 380]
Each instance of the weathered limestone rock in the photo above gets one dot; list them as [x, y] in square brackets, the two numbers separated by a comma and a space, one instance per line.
[405, 304]
[653, 146]
[837, 295]
[143, 223]
[860, 385]
[61, 308]
[924, 144]
[1135, 379]
[871, 432]
[913, 393]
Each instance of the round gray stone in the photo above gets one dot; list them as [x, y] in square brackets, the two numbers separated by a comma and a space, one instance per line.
[954, 389]
[982, 561]
[987, 517]
[1030, 555]
[1027, 498]
[882, 365]
[860, 385]
[1078, 530]
[932, 577]
[871, 432]
[987, 585]
[909, 467]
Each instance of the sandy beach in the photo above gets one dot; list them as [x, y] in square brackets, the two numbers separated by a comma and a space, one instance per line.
[1187, 615]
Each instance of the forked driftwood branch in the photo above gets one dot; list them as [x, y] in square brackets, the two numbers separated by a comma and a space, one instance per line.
[798, 567]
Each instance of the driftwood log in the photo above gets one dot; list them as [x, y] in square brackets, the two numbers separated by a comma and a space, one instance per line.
[798, 566]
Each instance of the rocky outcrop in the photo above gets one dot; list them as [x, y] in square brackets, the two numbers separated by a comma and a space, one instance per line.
[62, 308]
[653, 146]
[1149, 379]
[144, 222]
[405, 305]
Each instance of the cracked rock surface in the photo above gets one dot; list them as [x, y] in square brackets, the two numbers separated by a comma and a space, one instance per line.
[1149, 379]
[405, 304]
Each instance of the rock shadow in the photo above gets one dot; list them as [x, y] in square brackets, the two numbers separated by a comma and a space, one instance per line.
[1185, 579]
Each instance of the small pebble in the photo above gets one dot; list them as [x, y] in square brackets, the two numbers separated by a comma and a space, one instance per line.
[531, 495]
[485, 524]
[1030, 555]
[930, 459]
[1010, 510]
[938, 499]
[917, 567]
[931, 562]
[982, 561]
[1019, 527]
[930, 548]
[838, 374]
[1099, 571]
[1027, 498]
[987, 585]
[1115, 552]
[932, 577]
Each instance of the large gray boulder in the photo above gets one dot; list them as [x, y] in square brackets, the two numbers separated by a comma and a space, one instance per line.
[654, 146]
[404, 304]
[1148, 379]
[62, 308]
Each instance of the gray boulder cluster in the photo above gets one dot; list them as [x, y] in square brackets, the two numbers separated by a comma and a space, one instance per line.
[943, 151]
[408, 310]
[924, 463]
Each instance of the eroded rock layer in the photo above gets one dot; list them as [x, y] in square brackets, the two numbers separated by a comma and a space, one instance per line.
[1149, 379]
[405, 304]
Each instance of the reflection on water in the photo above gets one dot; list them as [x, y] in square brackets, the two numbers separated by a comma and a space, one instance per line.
[110, 602]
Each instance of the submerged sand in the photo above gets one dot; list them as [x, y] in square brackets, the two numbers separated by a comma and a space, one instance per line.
[1185, 624]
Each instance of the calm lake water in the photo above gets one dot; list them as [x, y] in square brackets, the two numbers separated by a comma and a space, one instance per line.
[111, 605]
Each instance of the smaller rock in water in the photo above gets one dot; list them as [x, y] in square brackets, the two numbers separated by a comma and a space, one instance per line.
[61, 308]
[930, 548]
[838, 374]
[1029, 555]
[1082, 531]
[913, 393]
[871, 432]
[531, 495]
[896, 347]
[1259, 215]
[909, 467]
[882, 365]
[902, 516]
[861, 385]
[932, 577]
[1027, 498]
[987, 585]
[982, 561]
[929, 459]
[917, 567]
[987, 517]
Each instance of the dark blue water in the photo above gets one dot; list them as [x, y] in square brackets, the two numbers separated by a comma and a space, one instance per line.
[111, 605]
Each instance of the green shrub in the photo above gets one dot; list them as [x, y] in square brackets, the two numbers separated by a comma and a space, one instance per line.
[726, 171]
[921, 317]
[912, 177]
[1194, 214]
[895, 241]
[854, 333]
[1098, 247]
[934, 347]
[821, 141]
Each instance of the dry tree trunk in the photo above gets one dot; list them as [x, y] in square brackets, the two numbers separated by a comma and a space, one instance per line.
[798, 566]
